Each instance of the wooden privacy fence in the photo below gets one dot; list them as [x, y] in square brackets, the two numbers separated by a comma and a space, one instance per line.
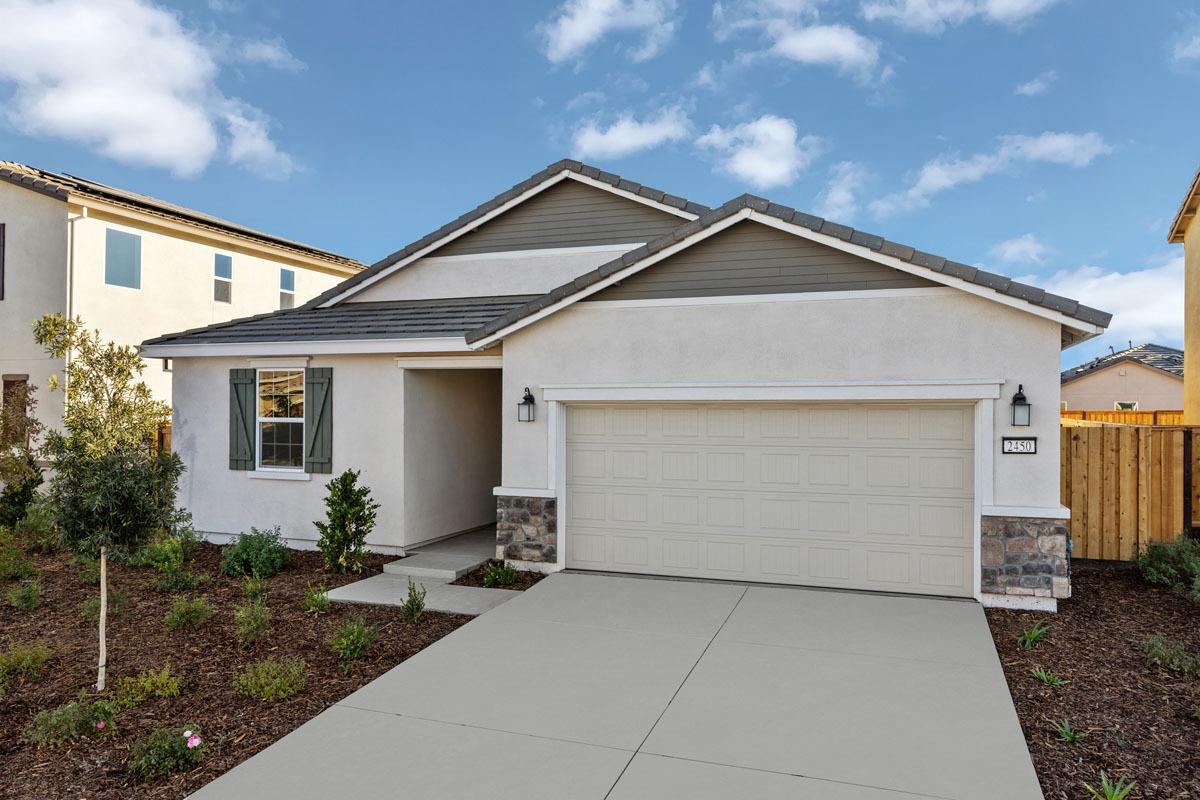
[1125, 486]
[1127, 417]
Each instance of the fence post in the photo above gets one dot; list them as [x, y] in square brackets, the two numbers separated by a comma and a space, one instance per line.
[1189, 530]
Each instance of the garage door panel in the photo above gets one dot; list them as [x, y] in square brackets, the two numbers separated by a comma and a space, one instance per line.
[875, 496]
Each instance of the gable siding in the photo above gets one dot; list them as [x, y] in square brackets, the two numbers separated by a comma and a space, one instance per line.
[750, 258]
[568, 214]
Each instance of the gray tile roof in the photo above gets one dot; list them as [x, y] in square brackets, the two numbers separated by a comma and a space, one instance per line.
[1001, 284]
[393, 319]
[63, 187]
[1167, 359]
[474, 214]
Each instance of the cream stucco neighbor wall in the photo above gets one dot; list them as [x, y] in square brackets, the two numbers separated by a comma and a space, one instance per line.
[1152, 389]
[35, 264]
[924, 336]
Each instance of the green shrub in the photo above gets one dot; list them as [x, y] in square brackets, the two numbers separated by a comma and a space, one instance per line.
[168, 554]
[24, 662]
[315, 601]
[73, 720]
[167, 751]
[256, 588]
[37, 528]
[90, 609]
[1175, 564]
[1068, 734]
[253, 621]
[1047, 678]
[350, 518]
[1171, 655]
[20, 487]
[14, 563]
[257, 553]
[1111, 791]
[271, 679]
[89, 570]
[499, 574]
[414, 605]
[188, 614]
[26, 596]
[352, 639]
[132, 691]
[1031, 637]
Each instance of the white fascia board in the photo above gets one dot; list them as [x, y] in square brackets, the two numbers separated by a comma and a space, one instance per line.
[495, 212]
[450, 362]
[836, 390]
[805, 297]
[454, 344]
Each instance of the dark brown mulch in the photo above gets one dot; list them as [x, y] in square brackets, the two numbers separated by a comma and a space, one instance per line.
[1140, 718]
[235, 727]
[524, 580]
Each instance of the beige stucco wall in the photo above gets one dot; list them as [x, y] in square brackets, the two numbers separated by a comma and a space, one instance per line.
[949, 335]
[1191, 334]
[176, 288]
[1153, 389]
[35, 272]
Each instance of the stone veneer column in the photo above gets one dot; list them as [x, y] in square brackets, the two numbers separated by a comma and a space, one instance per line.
[527, 529]
[1026, 556]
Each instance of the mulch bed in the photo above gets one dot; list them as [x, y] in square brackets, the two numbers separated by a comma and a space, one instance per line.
[524, 580]
[1140, 718]
[234, 727]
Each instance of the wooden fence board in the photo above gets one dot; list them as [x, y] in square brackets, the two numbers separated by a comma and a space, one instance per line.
[1169, 417]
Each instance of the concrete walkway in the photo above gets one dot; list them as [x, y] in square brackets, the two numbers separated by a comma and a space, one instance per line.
[592, 686]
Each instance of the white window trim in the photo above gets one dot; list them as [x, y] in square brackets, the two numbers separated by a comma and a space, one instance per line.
[274, 472]
[278, 474]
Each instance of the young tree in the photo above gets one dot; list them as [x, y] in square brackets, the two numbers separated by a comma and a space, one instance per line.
[111, 488]
[20, 439]
[350, 518]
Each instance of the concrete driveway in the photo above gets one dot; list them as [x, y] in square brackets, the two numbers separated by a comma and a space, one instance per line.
[596, 686]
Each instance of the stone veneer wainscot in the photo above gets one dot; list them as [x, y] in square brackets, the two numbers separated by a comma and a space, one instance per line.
[1026, 556]
[527, 529]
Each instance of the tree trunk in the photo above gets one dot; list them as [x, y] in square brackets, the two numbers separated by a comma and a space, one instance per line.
[102, 668]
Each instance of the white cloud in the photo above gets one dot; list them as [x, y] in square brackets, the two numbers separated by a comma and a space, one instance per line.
[766, 152]
[577, 24]
[705, 78]
[831, 45]
[127, 79]
[268, 53]
[946, 172]
[839, 200]
[1188, 50]
[627, 135]
[934, 16]
[1039, 85]
[1146, 304]
[1027, 249]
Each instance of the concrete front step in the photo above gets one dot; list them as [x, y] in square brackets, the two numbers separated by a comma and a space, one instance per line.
[435, 566]
[392, 590]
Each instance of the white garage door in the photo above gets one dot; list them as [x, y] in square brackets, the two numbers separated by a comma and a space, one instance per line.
[863, 496]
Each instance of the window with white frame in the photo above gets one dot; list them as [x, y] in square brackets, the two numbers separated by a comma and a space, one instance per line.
[1125, 405]
[281, 418]
[287, 288]
[223, 278]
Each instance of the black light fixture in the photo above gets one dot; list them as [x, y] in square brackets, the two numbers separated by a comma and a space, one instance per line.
[525, 408]
[1020, 408]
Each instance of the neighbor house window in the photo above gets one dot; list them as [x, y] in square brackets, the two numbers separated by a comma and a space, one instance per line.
[1125, 405]
[122, 259]
[281, 418]
[223, 279]
[287, 288]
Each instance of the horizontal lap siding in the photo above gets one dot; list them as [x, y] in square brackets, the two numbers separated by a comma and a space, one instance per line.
[750, 258]
[569, 214]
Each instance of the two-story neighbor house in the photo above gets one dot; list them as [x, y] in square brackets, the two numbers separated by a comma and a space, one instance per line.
[623, 380]
[132, 266]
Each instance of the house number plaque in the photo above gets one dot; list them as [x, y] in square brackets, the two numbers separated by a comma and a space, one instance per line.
[1023, 445]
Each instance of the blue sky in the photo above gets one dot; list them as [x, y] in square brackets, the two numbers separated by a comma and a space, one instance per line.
[1046, 139]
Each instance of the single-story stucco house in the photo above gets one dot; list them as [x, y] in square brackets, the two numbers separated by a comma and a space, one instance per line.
[745, 392]
[1148, 377]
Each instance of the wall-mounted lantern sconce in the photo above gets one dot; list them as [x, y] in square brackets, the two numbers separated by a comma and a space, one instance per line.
[525, 408]
[1020, 408]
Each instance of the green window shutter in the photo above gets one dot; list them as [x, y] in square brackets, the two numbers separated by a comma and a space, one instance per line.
[318, 419]
[242, 418]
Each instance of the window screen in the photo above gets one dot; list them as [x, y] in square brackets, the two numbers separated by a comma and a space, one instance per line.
[122, 259]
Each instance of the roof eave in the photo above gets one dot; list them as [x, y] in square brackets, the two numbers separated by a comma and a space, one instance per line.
[1186, 213]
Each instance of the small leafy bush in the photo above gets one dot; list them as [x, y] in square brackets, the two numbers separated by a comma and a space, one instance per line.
[258, 553]
[168, 555]
[352, 639]
[1068, 734]
[350, 518]
[1171, 655]
[133, 691]
[1111, 791]
[188, 614]
[37, 528]
[499, 574]
[14, 563]
[1033, 636]
[117, 600]
[1047, 678]
[167, 751]
[27, 596]
[414, 605]
[70, 721]
[89, 570]
[315, 601]
[256, 588]
[24, 662]
[253, 621]
[1173, 564]
[271, 679]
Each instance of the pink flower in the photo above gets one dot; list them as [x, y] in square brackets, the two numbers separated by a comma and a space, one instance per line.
[100, 725]
[193, 741]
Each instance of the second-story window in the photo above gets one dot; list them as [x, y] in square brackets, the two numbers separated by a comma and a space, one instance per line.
[223, 279]
[122, 259]
[287, 288]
